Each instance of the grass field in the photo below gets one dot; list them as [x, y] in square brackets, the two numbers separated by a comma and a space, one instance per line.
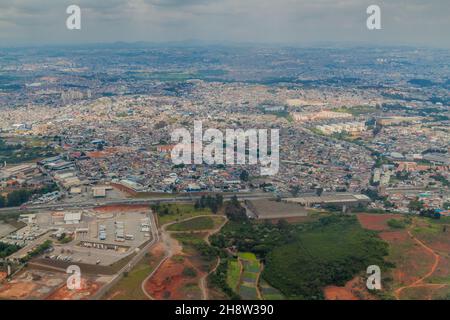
[356, 110]
[129, 287]
[189, 239]
[268, 292]
[413, 250]
[248, 292]
[195, 246]
[233, 274]
[200, 223]
[249, 276]
[248, 256]
[177, 212]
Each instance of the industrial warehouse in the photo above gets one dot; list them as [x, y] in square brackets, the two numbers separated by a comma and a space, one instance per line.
[86, 236]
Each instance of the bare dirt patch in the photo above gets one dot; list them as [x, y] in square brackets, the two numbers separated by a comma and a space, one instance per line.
[88, 288]
[354, 289]
[394, 236]
[169, 283]
[32, 284]
[377, 222]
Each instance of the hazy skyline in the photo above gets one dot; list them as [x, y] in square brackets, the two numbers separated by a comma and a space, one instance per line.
[410, 22]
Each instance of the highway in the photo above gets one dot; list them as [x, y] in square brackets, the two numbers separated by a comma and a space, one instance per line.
[143, 201]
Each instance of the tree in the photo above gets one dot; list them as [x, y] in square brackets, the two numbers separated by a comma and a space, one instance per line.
[244, 176]
[214, 207]
[295, 190]
[189, 272]
[415, 205]
[18, 197]
[319, 191]
[283, 225]
[234, 211]
[2, 201]
[219, 200]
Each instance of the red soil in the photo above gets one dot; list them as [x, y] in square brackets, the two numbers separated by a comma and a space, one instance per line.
[168, 281]
[394, 236]
[355, 289]
[88, 288]
[97, 154]
[435, 258]
[338, 293]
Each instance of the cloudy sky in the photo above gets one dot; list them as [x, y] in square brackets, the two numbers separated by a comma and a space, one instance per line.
[300, 22]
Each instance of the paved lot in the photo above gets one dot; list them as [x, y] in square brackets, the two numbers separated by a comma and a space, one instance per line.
[5, 229]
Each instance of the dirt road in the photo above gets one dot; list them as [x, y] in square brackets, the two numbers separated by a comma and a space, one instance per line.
[419, 282]
[173, 248]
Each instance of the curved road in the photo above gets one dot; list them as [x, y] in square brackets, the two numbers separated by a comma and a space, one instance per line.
[419, 282]
[168, 244]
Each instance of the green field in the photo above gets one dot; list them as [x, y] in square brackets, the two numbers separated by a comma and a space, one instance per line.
[199, 223]
[129, 287]
[195, 245]
[189, 239]
[247, 256]
[248, 292]
[249, 276]
[268, 292]
[176, 212]
[233, 274]
[356, 110]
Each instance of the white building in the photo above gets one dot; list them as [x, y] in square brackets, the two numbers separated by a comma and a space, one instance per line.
[72, 217]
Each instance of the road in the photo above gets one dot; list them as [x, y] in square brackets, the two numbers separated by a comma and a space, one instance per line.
[420, 282]
[168, 242]
[145, 201]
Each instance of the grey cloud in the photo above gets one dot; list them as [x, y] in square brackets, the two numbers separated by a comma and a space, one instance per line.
[294, 21]
[178, 3]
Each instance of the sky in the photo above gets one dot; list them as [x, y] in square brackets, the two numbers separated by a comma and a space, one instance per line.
[293, 22]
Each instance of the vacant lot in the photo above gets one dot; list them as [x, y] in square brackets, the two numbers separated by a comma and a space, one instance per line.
[377, 222]
[271, 209]
[32, 284]
[129, 287]
[354, 289]
[196, 224]
[171, 282]
[419, 254]
[177, 212]
[88, 288]
[5, 229]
